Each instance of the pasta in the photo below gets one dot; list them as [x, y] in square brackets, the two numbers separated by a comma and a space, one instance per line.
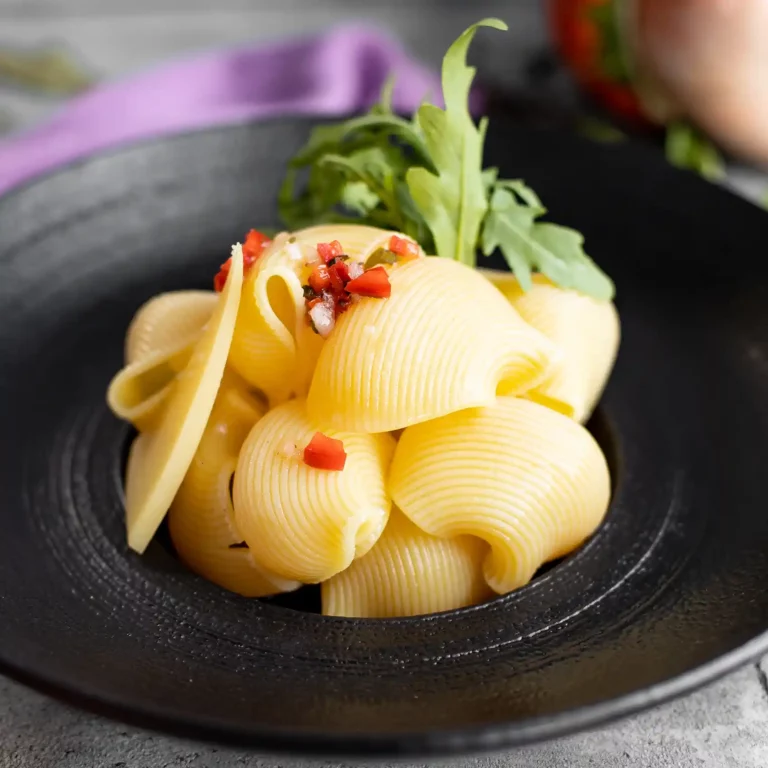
[428, 389]
[304, 523]
[584, 329]
[344, 410]
[445, 341]
[407, 573]
[525, 479]
[158, 346]
[164, 319]
[159, 458]
[201, 518]
[274, 348]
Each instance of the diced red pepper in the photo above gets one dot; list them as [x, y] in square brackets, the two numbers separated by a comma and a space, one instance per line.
[373, 282]
[406, 249]
[319, 280]
[341, 268]
[328, 251]
[325, 452]
[339, 276]
[253, 247]
[221, 277]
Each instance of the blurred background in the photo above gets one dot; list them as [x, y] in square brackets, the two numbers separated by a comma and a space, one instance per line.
[690, 76]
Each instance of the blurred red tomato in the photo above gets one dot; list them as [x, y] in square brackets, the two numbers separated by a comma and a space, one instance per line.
[586, 36]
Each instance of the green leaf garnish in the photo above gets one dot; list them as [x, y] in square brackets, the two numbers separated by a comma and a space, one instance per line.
[688, 148]
[527, 244]
[425, 177]
[453, 201]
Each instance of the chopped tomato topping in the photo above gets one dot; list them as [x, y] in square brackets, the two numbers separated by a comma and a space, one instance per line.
[406, 249]
[319, 280]
[339, 277]
[328, 251]
[253, 247]
[373, 282]
[325, 452]
[221, 277]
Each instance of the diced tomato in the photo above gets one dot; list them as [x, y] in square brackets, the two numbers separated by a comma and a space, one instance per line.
[404, 248]
[253, 247]
[221, 278]
[341, 269]
[320, 280]
[373, 282]
[314, 302]
[325, 452]
[328, 251]
[580, 41]
[339, 276]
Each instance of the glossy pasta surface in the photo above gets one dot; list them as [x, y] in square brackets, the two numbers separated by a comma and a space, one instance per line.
[421, 450]
[527, 480]
[444, 341]
[304, 523]
[585, 331]
[409, 573]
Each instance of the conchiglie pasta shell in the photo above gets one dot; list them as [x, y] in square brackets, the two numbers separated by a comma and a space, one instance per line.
[201, 519]
[585, 330]
[163, 320]
[273, 348]
[139, 391]
[159, 459]
[304, 523]
[409, 573]
[357, 242]
[442, 342]
[529, 481]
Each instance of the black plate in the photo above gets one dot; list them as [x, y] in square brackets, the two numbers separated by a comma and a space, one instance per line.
[670, 593]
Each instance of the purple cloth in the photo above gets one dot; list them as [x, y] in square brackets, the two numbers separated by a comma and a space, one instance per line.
[332, 74]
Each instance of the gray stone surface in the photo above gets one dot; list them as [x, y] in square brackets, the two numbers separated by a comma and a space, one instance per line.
[723, 725]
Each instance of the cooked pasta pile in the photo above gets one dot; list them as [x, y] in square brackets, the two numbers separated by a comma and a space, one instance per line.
[343, 410]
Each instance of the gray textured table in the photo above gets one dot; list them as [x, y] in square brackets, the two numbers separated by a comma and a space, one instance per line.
[723, 725]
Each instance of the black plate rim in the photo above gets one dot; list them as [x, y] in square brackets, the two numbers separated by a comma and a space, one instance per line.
[436, 743]
[426, 744]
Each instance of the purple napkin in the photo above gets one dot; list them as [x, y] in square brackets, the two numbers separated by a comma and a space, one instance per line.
[332, 74]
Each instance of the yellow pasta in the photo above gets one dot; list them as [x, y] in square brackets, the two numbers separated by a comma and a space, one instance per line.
[529, 481]
[274, 347]
[165, 319]
[408, 573]
[584, 329]
[304, 523]
[159, 459]
[158, 345]
[443, 341]
[139, 391]
[201, 518]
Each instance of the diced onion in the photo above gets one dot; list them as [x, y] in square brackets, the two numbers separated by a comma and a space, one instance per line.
[355, 269]
[322, 319]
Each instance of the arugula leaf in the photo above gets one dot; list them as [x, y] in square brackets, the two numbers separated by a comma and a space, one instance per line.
[358, 198]
[372, 168]
[425, 178]
[526, 244]
[452, 199]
